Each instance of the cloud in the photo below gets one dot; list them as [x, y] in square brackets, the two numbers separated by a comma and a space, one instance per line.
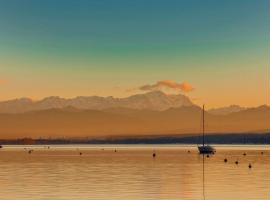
[168, 84]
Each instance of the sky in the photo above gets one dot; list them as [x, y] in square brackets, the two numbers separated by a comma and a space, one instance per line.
[74, 48]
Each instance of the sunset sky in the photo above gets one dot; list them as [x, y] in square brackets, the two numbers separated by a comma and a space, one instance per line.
[71, 48]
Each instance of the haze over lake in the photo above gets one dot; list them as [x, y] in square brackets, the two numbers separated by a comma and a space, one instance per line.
[61, 173]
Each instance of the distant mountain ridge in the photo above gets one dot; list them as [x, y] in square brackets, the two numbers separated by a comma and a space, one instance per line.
[226, 110]
[155, 100]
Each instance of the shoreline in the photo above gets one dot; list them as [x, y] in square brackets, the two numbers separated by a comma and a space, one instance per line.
[194, 139]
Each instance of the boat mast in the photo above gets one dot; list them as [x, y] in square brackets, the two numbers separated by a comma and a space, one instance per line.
[203, 123]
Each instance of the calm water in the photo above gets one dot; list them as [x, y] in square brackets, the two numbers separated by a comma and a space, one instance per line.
[132, 173]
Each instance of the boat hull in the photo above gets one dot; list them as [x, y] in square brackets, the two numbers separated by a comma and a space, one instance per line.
[206, 150]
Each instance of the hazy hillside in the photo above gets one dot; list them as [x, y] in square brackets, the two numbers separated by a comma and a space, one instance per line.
[72, 122]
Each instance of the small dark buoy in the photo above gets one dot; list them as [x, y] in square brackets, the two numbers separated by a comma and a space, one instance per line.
[80, 153]
[154, 155]
[30, 151]
[262, 152]
[225, 160]
[207, 156]
[244, 154]
[115, 150]
[188, 151]
[249, 166]
[236, 162]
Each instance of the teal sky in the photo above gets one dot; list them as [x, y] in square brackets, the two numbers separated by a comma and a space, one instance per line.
[101, 47]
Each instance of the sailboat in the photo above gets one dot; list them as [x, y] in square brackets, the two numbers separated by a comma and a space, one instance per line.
[205, 149]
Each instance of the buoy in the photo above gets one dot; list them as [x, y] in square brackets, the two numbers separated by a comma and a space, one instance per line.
[207, 156]
[236, 162]
[154, 155]
[262, 152]
[244, 154]
[115, 150]
[225, 160]
[188, 151]
[80, 153]
[249, 166]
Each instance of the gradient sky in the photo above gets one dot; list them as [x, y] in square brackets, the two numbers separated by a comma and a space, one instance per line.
[102, 47]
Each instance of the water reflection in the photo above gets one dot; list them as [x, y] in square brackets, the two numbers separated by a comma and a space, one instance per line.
[203, 181]
[133, 173]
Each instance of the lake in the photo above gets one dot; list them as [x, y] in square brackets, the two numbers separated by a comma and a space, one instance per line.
[131, 173]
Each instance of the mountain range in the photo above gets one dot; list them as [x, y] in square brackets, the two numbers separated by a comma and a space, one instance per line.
[152, 113]
[156, 100]
[226, 110]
